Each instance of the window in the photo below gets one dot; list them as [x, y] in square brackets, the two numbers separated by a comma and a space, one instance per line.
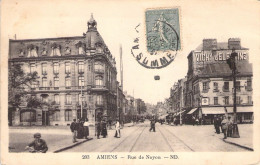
[44, 68]
[215, 100]
[81, 50]
[226, 86]
[68, 115]
[57, 99]
[67, 81]
[56, 116]
[55, 51]
[81, 67]
[56, 82]
[99, 81]
[32, 52]
[226, 100]
[56, 68]
[215, 86]
[238, 86]
[28, 116]
[34, 84]
[249, 98]
[68, 99]
[81, 98]
[45, 99]
[249, 83]
[247, 116]
[99, 99]
[67, 67]
[205, 86]
[98, 66]
[238, 100]
[33, 68]
[44, 82]
[81, 81]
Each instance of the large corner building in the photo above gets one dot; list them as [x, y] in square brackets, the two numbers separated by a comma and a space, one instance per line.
[77, 75]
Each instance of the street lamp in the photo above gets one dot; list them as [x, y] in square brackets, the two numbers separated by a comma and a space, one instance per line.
[232, 64]
[81, 101]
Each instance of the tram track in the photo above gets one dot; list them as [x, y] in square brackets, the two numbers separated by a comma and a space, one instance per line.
[137, 139]
[176, 137]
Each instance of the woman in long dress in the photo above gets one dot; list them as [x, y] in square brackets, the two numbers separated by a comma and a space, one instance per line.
[86, 128]
[104, 128]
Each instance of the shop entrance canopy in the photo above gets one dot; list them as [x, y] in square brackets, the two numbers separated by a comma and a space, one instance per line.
[192, 111]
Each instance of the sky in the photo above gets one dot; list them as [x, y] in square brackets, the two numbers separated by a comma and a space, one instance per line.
[116, 21]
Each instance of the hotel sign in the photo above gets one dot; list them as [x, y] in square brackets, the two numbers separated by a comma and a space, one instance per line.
[205, 101]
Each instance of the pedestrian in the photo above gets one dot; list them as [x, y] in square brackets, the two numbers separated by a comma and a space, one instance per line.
[197, 120]
[98, 128]
[224, 124]
[80, 133]
[86, 128]
[219, 123]
[38, 145]
[104, 128]
[193, 120]
[230, 127]
[117, 126]
[152, 124]
[74, 130]
[110, 123]
[216, 122]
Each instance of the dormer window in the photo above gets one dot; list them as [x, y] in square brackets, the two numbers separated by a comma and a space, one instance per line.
[99, 47]
[81, 48]
[44, 52]
[21, 53]
[55, 50]
[32, 51]
[67, 51]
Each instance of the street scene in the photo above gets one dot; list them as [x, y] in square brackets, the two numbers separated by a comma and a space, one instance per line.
[138, 138]
[72, 94]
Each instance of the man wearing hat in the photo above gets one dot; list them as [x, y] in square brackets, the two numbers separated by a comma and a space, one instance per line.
[38, 145]
[74, 129]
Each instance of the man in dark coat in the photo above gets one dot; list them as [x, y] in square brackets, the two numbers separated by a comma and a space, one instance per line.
[216, 124]
[152, 125]
[80, 133]
[98, 129]
[38, 145]
[74, 130]
[104, 128]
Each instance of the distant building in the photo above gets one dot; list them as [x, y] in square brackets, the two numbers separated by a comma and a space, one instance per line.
[66, 67]
[209, 85]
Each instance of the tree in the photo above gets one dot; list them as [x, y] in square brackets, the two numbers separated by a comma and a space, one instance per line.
[19, 83]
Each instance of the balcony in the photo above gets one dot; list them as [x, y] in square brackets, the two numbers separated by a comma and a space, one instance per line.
[44, 88]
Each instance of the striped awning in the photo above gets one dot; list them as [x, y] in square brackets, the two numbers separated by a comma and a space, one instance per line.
[192, 111]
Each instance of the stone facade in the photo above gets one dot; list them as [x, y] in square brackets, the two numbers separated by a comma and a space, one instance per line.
[72, 72]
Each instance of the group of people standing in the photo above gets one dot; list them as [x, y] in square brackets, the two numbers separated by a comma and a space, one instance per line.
[80, 129]
[225, 124]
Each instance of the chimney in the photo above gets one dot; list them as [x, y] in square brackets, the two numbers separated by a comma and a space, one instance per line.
[209, 44]
[234, 43]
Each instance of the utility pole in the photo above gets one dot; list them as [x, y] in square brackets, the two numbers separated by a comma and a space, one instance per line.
[232, 64]
[81, 101]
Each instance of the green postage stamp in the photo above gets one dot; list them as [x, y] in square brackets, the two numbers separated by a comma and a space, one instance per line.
[162, 29]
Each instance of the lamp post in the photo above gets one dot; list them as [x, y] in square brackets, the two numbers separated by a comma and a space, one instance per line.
[232, 64]
[81, 101]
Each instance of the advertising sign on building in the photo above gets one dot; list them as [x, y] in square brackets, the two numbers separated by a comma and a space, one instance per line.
[205, 101]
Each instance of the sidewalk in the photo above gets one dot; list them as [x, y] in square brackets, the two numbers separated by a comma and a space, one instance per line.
[245, 132]
[57, 138]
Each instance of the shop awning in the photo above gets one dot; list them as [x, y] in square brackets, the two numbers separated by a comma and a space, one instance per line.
[180, 112]
[240, 109]
[213, 110]
[192, 111]
[220, 110]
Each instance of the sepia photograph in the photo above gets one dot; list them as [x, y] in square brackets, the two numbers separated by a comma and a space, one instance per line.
[130, 82]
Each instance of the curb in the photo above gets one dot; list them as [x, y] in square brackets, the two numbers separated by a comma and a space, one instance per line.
[248, 148]
[71, 146]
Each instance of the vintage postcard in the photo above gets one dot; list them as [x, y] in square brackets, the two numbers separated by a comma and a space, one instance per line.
[130, 82]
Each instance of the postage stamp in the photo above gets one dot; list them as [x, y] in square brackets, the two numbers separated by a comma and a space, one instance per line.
[162, 29]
